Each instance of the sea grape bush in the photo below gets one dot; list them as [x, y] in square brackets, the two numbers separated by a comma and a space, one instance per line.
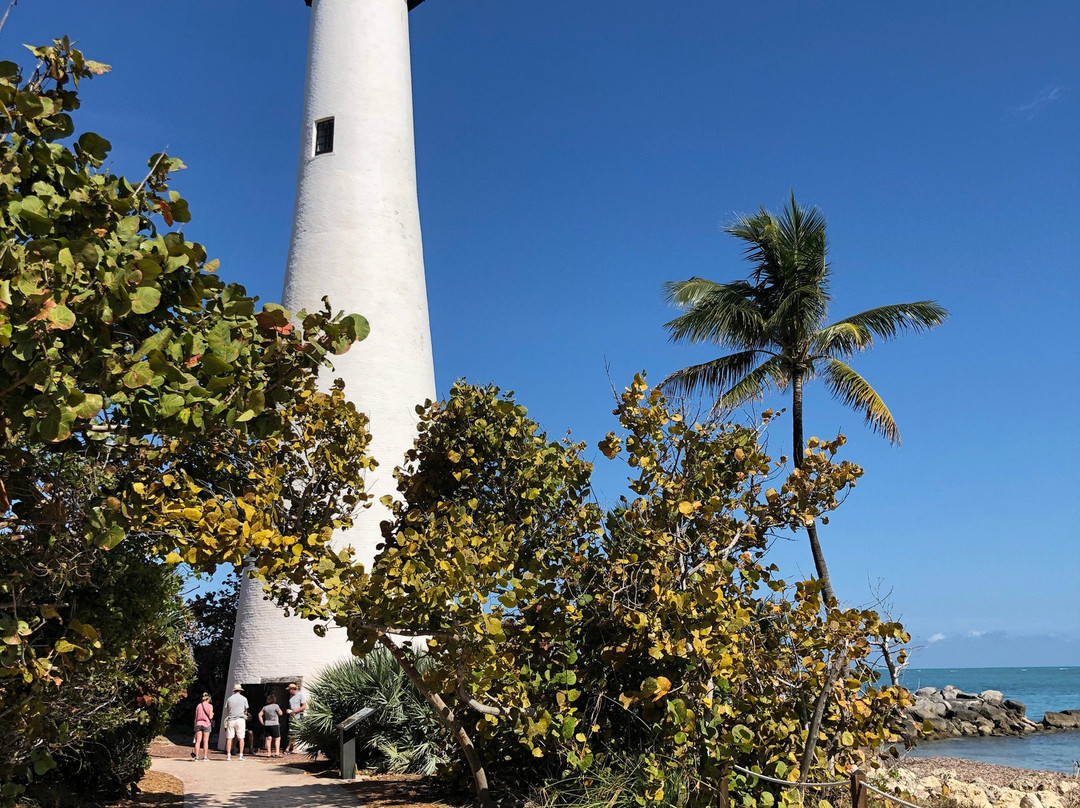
[564, 637]
[147, 406]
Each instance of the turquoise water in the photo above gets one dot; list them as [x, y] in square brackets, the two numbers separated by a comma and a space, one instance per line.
[1041, 689]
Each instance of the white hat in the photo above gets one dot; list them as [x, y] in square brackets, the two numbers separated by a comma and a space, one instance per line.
[238, 687]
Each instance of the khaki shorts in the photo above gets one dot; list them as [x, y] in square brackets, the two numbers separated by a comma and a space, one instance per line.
[235, 728]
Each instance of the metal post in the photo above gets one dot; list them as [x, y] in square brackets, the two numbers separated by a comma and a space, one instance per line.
[347, 742]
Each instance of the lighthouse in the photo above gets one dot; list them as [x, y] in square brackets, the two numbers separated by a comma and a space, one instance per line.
[355, 240]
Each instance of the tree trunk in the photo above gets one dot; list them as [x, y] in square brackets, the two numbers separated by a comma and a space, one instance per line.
[798, 446]
[819, 713]
[446, 716]
[886, 652]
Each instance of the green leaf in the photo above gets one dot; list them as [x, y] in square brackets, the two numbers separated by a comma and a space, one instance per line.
[57, 426]
[155, 342]
[358, 327]
[88, 405]
[145, 299]
[33, 209]
[113, 537]
[61, 317]
[95, 146]
[140, 375]
[171, 403]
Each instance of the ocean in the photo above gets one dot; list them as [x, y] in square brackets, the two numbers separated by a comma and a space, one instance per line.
[1041, 689]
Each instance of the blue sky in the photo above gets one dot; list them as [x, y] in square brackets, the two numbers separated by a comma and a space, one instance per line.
[573, 156]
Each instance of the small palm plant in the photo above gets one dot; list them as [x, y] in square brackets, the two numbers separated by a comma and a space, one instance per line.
[775, 322]
[401, 736]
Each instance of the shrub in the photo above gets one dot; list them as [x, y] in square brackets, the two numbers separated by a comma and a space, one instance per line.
[402, 736]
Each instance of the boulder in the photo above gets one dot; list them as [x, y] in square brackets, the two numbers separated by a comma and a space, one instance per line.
[1061, 720]
[1030, 801]
[967, 795]
[1050, 799]
[1016, 706]
[1009, 798]
[992, 696]
[927, 692]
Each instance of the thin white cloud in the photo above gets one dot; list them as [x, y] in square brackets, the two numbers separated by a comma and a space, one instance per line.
[975, 633]
[936, 637]
[1048, 96]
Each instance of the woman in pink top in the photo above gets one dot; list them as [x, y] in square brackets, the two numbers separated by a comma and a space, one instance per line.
[204, 717]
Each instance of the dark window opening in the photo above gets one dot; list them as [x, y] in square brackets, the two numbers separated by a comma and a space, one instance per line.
[324, 136]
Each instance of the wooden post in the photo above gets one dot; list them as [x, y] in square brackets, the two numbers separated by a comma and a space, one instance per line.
[723, 801]
[858, 789]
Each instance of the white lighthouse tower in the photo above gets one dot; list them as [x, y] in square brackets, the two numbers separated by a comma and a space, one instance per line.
[355, 239]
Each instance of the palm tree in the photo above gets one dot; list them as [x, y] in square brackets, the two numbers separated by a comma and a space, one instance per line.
[775, 322]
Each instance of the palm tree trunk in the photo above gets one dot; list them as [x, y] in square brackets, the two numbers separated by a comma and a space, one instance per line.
[798, 445]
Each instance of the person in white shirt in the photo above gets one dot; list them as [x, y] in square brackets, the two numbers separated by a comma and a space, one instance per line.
[236, 707]
[297, 706]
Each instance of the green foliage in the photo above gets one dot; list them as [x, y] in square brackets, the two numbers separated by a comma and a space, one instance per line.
[775, 320]
[111, 705]
[402, 736]
[147, 406]
[567, 640]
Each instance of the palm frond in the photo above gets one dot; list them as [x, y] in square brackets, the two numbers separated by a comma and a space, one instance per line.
[854, 391]
[798, 315]
[713, 376]
[888, 322]
[841, 339]
[685, 294]
[755, 384]
[728, 315]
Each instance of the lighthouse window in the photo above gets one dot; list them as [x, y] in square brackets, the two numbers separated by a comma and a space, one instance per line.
[324, 136]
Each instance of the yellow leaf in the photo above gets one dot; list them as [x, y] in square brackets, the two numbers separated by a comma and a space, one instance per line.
[686, 508]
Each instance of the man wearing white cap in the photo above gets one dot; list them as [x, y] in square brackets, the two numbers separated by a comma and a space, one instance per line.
[236, 707]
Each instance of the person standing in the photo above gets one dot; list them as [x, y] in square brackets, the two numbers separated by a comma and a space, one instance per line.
[236, 707]
[295, 712]
[270, 718]
[204, 718]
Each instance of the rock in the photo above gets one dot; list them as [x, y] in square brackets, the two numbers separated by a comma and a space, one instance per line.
[1061, 720]
[927, 710]
[1030, 801]
[1009, 798]
[1050, 799]
[967, 795]
[953, 713]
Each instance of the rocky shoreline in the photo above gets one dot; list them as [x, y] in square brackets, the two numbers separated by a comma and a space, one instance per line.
[952, 713]
[972, 784]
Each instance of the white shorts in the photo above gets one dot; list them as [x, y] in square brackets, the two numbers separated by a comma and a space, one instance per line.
[235, 728]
